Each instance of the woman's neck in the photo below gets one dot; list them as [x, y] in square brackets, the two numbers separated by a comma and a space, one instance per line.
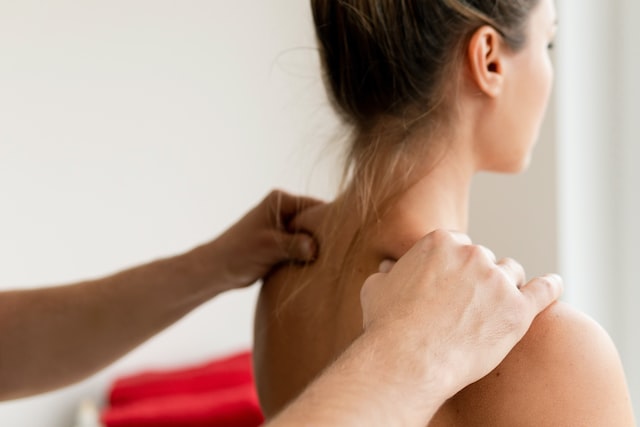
[436, 197]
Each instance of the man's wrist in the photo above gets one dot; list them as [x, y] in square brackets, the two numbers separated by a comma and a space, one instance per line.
[196, 272]
[373, 383]
[205, 269]
[416, 379]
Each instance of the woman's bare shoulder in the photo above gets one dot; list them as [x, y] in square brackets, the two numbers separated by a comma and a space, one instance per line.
[565, 372]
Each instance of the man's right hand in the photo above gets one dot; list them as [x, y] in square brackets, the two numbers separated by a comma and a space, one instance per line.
[454, 308]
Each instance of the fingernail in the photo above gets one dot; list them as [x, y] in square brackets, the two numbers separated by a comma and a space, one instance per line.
[309, 248]
[386, 266]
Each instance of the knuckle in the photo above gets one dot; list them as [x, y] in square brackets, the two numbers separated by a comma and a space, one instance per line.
[475, 252]
[512, 271]
[497, 276]
[498, 284]
[440, 236]
[515, 266]
[546, 285]
[511, 263]
[545, 281]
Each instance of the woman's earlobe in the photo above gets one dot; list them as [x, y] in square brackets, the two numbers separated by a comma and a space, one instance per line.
[485, 60]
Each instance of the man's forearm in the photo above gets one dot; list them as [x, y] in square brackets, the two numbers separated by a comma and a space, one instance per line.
[51, 337]
[366, 386]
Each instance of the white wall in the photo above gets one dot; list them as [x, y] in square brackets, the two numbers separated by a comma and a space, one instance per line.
[598, 133]
[586, 116]
[501, 204]
[627, 182]
[136, 129]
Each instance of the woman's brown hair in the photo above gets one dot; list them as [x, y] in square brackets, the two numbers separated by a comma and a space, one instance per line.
[391, 58]
[390, 67]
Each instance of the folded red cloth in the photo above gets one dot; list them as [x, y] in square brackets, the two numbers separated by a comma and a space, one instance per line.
[234, 407]
[217, 393]
[219, 374]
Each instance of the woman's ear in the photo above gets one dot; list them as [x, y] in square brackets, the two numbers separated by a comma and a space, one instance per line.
[486, 60]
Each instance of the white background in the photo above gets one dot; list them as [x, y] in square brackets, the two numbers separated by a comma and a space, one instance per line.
[598, 134]
[131, 130]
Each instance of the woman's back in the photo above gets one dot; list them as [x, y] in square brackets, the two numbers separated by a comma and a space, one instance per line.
[564, 372]
[306, 317]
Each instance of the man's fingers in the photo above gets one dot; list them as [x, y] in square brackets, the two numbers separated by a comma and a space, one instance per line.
[513, 270]
[299, 247]
[542, 291]
[386, 266]
[440, 236]
[461, 238]
[489, 253]
[287, 206]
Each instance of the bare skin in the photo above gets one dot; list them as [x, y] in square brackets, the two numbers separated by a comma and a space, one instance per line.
[565, 357]
[52, 337]
[564, 372]
[408, 360]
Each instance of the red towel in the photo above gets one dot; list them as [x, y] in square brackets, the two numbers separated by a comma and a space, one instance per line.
[237, 407]
[218, 374]
[218, 393]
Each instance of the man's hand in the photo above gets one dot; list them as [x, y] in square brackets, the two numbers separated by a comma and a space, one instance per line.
[248, 250]
[85, 326]
[452, 305]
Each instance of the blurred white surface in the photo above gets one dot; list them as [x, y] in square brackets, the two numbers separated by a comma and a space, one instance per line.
[598, 153]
